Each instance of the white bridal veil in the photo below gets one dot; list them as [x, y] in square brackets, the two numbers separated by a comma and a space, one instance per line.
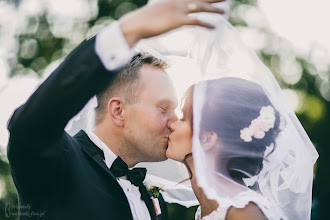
[259, 144]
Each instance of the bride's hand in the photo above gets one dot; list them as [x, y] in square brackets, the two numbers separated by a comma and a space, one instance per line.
[162, 16]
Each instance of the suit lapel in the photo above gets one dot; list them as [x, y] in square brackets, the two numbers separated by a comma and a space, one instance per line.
[146, 198]
[97, 156]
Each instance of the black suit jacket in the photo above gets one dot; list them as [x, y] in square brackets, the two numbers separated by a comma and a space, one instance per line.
[58, 176]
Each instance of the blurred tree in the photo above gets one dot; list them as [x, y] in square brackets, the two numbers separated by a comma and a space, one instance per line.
[40, 45]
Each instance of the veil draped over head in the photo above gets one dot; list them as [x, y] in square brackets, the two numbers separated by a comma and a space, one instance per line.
[246, 139]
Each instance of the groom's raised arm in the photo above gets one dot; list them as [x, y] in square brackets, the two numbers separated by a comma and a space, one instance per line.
[39, 149]
[36, 148]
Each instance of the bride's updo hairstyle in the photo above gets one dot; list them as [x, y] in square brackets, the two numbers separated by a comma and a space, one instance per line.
[230, 107]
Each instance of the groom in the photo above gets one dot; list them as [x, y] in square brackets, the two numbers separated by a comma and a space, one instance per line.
[86, 177]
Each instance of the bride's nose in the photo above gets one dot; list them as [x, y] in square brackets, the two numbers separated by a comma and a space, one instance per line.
[171, 126]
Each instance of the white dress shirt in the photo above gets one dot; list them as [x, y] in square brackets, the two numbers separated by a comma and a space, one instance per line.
[112, 47]
[138, 207]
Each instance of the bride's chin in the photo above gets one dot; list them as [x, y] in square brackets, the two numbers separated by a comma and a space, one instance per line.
[170, 156]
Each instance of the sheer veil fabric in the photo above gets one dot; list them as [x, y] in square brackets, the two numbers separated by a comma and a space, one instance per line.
[238, 98]
[261, 147]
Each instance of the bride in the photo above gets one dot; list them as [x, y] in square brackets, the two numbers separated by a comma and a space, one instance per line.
[247, 153]
[238, 122]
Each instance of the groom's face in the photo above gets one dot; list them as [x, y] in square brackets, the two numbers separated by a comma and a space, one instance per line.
[147, 121]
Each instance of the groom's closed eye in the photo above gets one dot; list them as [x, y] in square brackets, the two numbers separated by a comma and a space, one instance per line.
[164, 106]
[163, 109]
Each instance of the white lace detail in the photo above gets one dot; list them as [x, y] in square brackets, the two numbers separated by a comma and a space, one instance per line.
[218, 214]
[240, 201]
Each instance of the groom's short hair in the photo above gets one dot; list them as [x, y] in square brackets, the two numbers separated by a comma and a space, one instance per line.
[126, 83]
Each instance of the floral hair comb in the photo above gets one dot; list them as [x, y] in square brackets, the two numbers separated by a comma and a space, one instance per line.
[260, 125]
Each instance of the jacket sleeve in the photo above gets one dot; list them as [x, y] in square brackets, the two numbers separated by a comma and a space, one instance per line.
[37, 145]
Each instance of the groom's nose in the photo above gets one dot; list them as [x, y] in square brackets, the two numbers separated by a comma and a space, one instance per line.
[172, 119]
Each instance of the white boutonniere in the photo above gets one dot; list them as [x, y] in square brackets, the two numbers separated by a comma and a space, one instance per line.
[154, 188]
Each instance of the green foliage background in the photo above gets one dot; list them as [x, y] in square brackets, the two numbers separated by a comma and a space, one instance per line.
[313, 111]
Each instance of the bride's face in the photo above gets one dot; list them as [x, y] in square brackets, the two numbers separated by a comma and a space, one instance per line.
[180, 140]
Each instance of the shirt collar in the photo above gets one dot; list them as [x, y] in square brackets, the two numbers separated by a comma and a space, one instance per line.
[109, 156]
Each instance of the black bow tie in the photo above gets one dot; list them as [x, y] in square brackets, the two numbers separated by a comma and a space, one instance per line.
[136, 176]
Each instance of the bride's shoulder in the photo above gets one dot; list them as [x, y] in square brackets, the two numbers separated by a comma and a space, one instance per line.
[250, 211]
[251, 204]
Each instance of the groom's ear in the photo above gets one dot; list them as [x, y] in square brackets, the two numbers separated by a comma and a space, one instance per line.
[115, 111]
[208, 140]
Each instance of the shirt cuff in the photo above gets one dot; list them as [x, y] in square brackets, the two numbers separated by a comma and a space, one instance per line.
[112, 47]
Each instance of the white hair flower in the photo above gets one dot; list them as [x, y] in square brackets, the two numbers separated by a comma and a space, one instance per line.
[260, 125]
[246, 135]
[267, 115]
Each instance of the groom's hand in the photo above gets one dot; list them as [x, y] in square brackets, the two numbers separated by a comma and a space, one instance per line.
[162, 16]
